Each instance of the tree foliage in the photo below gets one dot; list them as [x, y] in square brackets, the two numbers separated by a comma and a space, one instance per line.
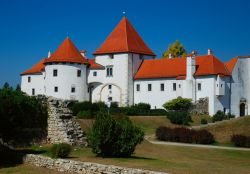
[176, 49]
[112, 137]
[178, 104]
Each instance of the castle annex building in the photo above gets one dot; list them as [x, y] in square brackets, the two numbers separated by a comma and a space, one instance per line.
[124, 70]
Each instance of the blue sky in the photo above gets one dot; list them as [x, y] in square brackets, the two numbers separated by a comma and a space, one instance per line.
[29, 28]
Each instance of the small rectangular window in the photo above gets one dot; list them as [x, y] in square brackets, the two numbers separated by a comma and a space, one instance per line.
[162, 86]
[56, 89]
[94, 73]
[109, 71]
[33, 91]
[149, 87]
[137, 87]
[174, 86]
[199, 86]
[73, 89]
[110, 86]
[179, 85]
[79, 73]
[29, 79]
[55, 72]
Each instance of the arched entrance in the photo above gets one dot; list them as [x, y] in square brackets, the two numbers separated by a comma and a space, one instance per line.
[111, 93]
[242, 109]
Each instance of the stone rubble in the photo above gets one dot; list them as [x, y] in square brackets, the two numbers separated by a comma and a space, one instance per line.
[71, 166]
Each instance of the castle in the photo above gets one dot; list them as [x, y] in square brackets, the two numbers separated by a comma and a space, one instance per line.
[124, 70]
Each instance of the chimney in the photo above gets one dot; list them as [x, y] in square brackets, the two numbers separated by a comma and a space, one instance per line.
[170, 55]
[209, 51]
[49, 54]
[194, 53]
[191, 65]
[83, 53]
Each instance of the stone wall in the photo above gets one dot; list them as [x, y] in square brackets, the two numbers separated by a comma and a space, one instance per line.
[200, 106]
[62, 127]
[71, 166]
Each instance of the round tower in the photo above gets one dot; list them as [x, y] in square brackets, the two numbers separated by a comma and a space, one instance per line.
[66, 73]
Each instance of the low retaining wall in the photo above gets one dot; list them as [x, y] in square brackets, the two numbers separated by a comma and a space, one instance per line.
[65, 165]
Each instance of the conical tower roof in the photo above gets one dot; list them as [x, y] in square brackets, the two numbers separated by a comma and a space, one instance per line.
[67, 52]
[124, 38]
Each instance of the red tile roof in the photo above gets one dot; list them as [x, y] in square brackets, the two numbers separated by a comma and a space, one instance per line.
[37, 68]
[231, 63]
[124, 38]
[67, 52]
[94, 65]
[176, 67]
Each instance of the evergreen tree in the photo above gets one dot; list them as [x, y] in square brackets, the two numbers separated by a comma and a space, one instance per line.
[176, 49]
[18, 88]
[6, 85]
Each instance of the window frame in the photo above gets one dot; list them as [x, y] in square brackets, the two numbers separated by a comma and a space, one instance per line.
[33, 91]
[174, 87]
[138, 87]
[55, 72]
[149, 87]
[199, 87]
[162, 87]
[29, 79]
[56, 89]
[95, 73]
[79, 73]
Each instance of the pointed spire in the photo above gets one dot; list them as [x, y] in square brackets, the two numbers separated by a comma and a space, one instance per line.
[67, 52]
[124, 38]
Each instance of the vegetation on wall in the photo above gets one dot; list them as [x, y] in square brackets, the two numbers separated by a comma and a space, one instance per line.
[22, 118]
[114, 137]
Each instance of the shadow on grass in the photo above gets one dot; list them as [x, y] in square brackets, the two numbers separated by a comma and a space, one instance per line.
[11, 158]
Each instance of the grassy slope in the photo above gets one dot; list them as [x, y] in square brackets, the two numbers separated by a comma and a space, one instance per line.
[176, 159]
[224, 130]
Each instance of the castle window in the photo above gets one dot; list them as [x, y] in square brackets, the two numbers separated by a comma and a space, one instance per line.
[33, 91]
[56, 89]
[79, 72]
[162, 86]
[73, 89]
[137, 87]
[55, 72]
[179, 85]
[94, 73]
[109, 71]
[110, 86]
[110, 99]
[174, 86]
[199, 86]
[111, 56]
[29, 79]
[149, 87]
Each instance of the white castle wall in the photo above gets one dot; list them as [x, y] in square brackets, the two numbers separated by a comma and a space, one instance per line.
[36, 83]
[65, 80]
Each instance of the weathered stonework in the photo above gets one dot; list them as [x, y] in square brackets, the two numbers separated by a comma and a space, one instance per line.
[62, 127]
[71, 166]
[201, 106]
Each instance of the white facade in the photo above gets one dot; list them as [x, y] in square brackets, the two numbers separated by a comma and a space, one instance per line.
[66, 83]
[33, 84]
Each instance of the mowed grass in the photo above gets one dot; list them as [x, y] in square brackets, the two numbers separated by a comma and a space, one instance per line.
[27, 169]
[179, 160]
[224, 130]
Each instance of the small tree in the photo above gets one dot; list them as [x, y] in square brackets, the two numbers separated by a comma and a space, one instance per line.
[176, 49]
[114, 138]
[178, 104]
[6, 85]
[18, 88]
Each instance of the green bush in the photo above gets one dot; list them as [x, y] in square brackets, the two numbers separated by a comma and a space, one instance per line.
[19, 113]
[84, 114]
[61, 150]
[111, 137]
[179, 117]
[220, 115]
[241, 140]
[178, 104]
[87, 106]
[203, 121]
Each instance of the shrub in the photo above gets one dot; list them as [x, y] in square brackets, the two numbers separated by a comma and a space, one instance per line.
[179, 117]
[84, 114]
[178, 104]
[111, 137]
[114, 105]
[240, 140]
[203, 121]
[61, 150]
[87, 106]
[219, 116]
[184, 135]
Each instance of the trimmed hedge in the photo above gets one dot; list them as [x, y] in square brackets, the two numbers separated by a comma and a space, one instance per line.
[241, 140]
[184, 135]
[179, 117]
